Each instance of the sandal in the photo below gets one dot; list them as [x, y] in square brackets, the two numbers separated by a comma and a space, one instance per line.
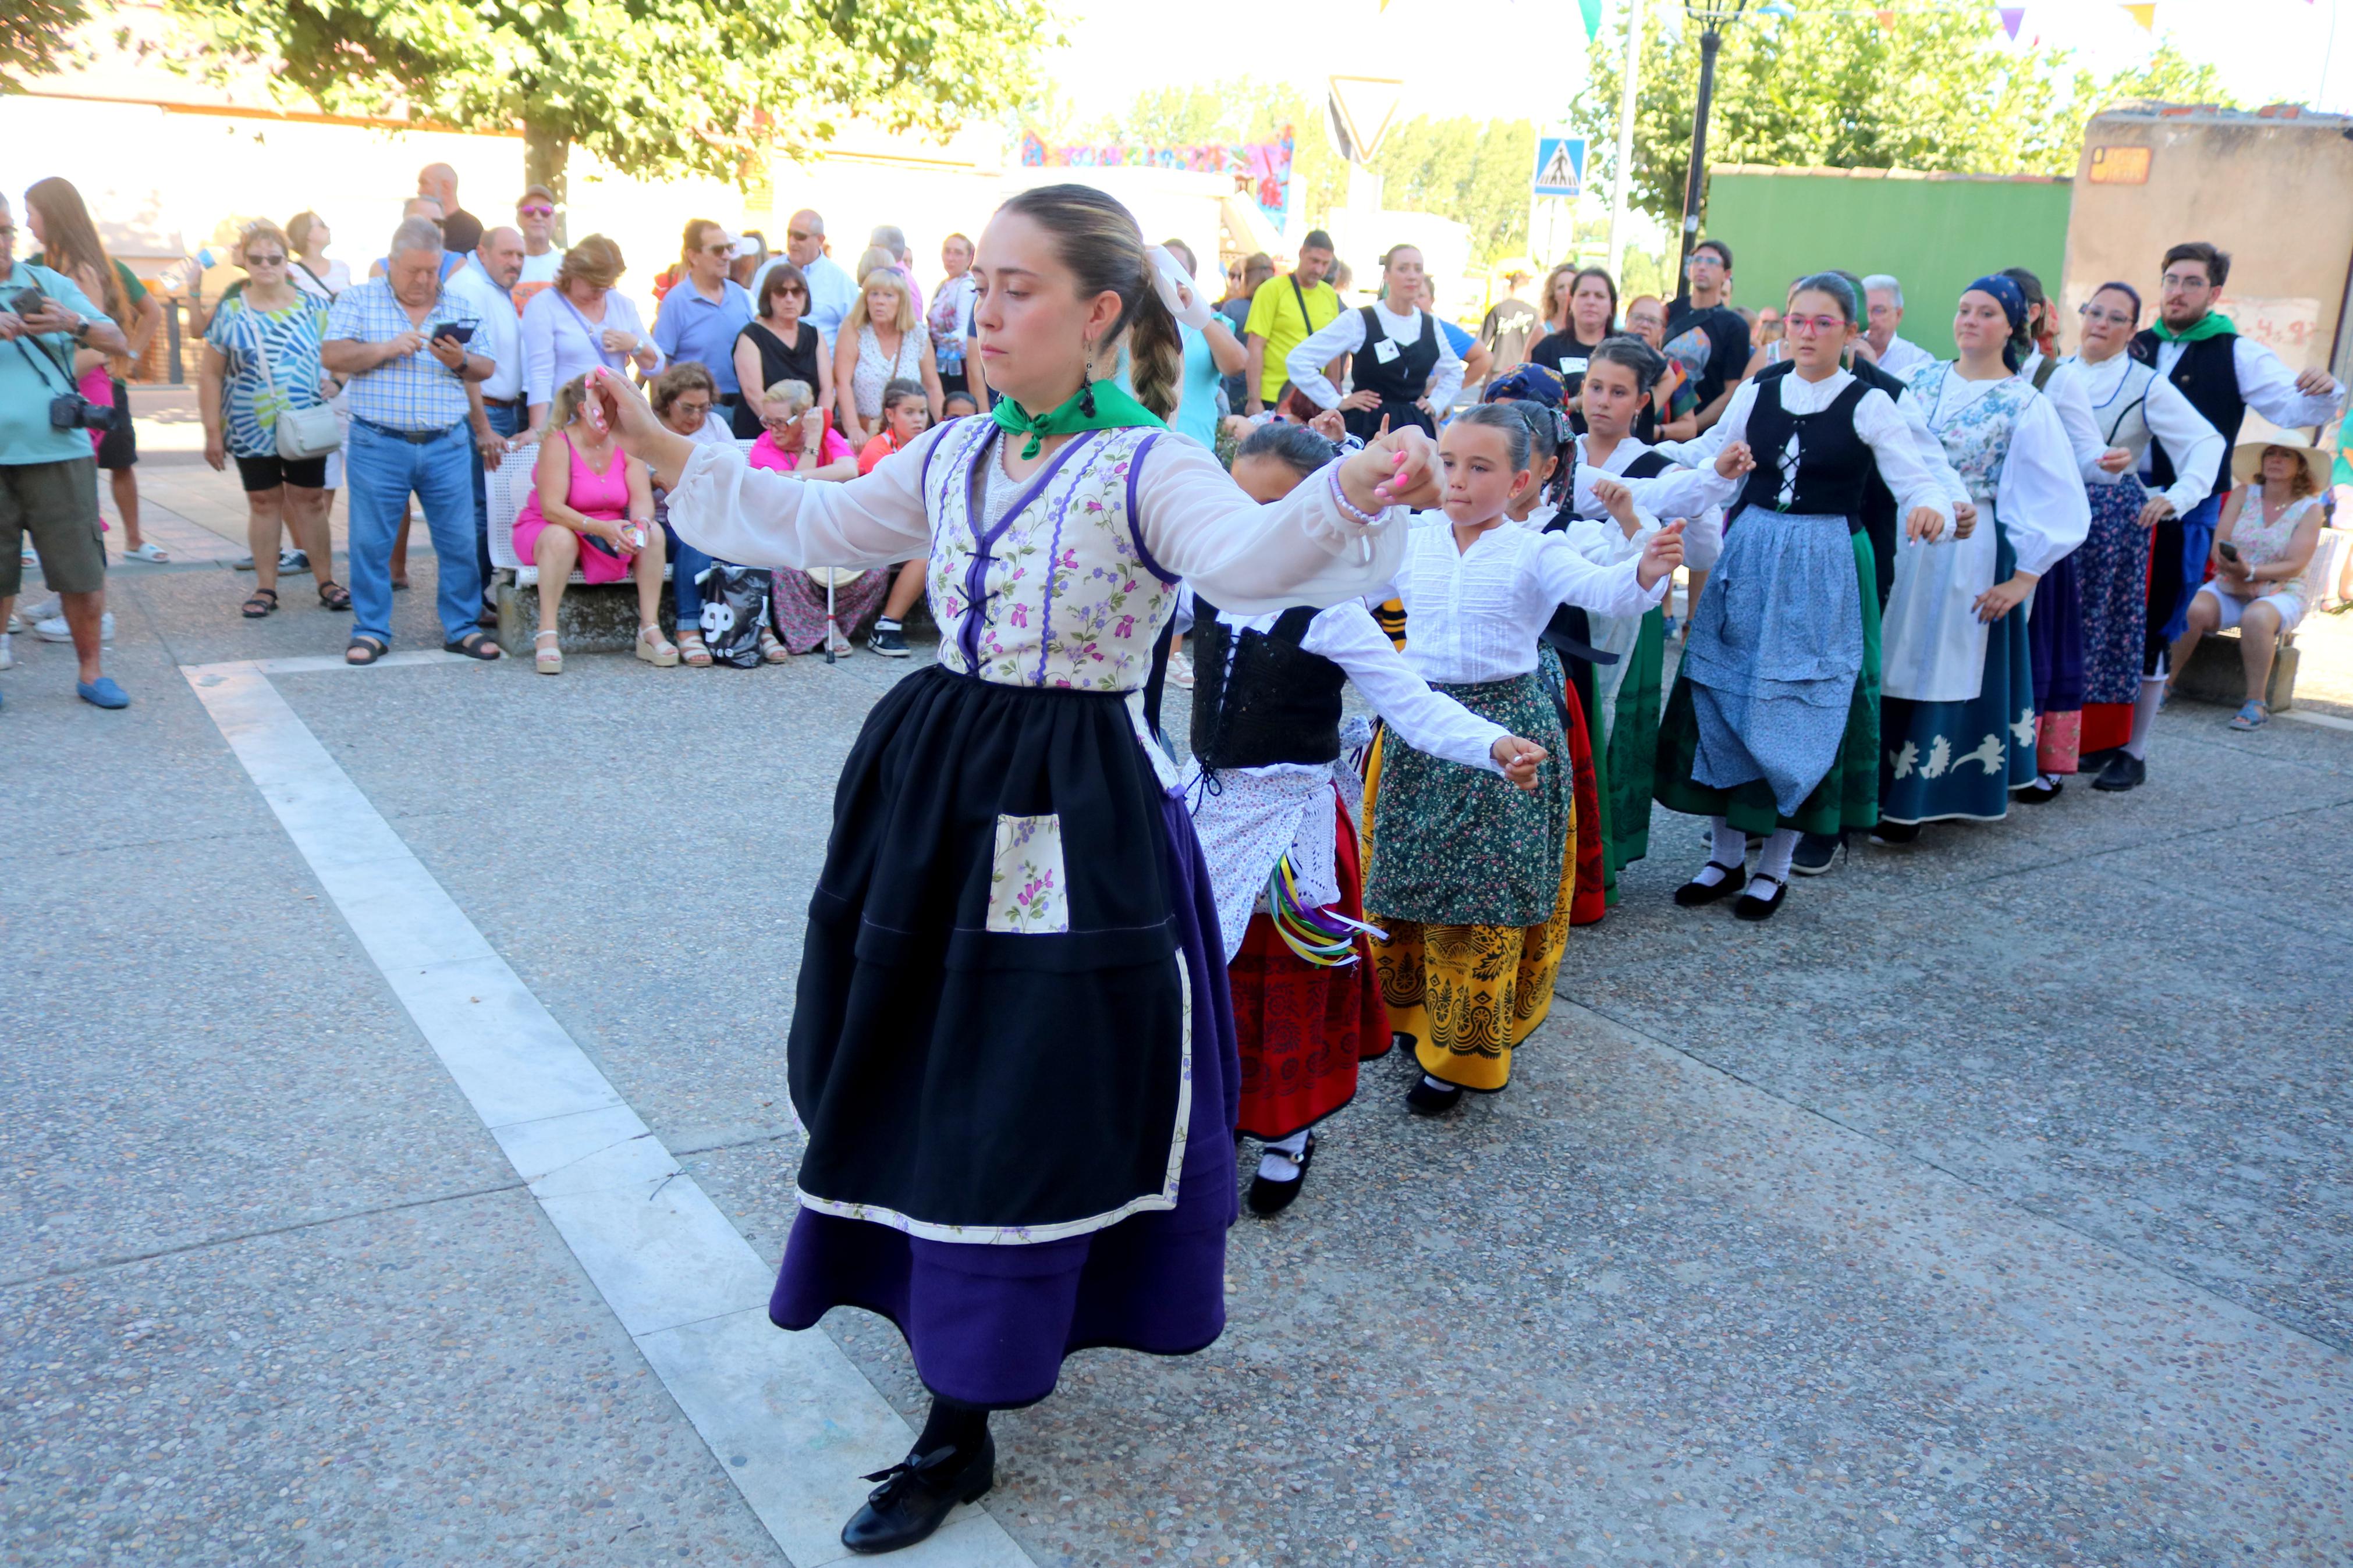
[771, 651]
[474, 645]
[263, 603]
[691, 651]
[547, 657]
[2251, 715]
[334, 596]
[655, 648]
[367, 649]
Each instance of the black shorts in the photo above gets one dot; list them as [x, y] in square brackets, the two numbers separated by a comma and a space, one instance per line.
[269, 472]
[119, 448]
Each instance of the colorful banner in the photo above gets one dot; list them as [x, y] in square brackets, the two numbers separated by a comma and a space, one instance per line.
[1260, 169]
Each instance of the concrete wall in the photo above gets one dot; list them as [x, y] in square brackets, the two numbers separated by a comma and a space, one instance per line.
[1933, 232]
[2277, 193]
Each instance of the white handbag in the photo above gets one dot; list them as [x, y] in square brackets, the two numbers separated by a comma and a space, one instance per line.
[312, 432]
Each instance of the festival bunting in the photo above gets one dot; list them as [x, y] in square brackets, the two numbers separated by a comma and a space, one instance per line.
[2145, 14]
[1592, 10]
[2011, 15]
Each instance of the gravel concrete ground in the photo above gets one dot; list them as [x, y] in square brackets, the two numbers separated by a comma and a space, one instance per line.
[1989, 1206]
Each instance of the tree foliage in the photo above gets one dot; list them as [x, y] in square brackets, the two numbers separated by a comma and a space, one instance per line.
[35, 38]
[1937, 90]
[654, 88]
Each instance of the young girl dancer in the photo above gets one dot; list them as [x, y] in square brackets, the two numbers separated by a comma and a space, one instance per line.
[1957, 727]
[1011, 1044]
[1468, 877]
[1274, 829]
[1773, 724]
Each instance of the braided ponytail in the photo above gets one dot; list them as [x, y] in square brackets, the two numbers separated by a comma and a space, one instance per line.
[1097, 238]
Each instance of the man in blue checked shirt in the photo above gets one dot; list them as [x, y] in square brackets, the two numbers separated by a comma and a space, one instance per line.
[399, 342]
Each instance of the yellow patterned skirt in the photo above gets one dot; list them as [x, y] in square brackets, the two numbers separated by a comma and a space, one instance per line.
[1467, 994]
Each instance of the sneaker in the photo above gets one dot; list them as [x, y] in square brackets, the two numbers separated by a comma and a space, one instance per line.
[15, 623]
[243, 564]
[1180, 671]
[150, 552]
[888, 641]
[6, 659]
[1814, 852]
[46, 609]
[293, 560]
[55, 629]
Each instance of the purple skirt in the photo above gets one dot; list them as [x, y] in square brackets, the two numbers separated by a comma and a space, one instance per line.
[989, 1324]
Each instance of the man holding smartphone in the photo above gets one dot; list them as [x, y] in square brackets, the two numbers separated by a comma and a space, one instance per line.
[400, 343]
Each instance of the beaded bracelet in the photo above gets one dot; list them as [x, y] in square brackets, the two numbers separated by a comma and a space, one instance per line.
[1340, 500]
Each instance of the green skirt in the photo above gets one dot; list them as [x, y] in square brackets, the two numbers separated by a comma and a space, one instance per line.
[1457, 846]
[1848, 796]
[1634, 742]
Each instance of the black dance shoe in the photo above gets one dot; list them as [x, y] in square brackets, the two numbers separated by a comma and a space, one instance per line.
[1895, 833]
[1694, 893]
[2089, 764]
[1751, 908]
[916, 1494]
[1428, 1098]
[2038, 794]
[2123, 772]
[1273, 1197]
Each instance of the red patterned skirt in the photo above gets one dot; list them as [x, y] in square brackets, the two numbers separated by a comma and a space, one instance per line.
[1303, 1027]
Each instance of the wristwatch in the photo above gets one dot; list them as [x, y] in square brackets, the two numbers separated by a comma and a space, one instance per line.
[81, 331]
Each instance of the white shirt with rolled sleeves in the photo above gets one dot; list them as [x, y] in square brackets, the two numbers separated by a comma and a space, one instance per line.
[2101, 409]
[1476, 613]
[2265, 385]
[1346, 335]
[500, 339]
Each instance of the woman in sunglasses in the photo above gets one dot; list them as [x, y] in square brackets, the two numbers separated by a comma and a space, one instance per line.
[536, 216]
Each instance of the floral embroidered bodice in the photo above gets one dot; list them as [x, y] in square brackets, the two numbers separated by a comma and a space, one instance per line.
[1043, 581]
[1974, 420]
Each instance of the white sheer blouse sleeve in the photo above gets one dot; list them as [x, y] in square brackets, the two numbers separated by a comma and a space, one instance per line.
[1601, 540]
[758, 516]
[1931, 451]
[2039, 496]
[1562, 577]
[2072, 399]
[1199, 525]
[1430, 722]
[1343, 334]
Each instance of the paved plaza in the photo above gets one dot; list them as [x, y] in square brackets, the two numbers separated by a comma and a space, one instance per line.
[395, 1152]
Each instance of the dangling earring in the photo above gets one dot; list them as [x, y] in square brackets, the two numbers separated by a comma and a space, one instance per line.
[1087, 385]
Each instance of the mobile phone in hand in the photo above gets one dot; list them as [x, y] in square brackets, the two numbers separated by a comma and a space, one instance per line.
[2229, 550]
[455, 331]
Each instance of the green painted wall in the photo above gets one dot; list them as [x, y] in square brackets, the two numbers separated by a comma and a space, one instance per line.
[1936, 234]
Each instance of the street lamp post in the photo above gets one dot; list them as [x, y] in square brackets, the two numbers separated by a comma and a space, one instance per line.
[1713, 17]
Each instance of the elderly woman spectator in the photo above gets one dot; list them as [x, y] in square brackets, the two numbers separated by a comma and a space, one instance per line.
[262, 359]
[949, 319]
[684, 398]
[881, 340]
[779, 344]
[590, 506]
[1673, 413]
[798, 441]
[580, 322]
[2263, 544]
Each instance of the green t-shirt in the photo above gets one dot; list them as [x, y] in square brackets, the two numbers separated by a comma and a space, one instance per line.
[133, 291]
[1274, 315]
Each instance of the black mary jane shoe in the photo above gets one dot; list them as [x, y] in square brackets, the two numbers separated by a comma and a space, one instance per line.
[1751, 908]
[2039, 793]
[1694, 893]
[1273, 1197]
[1895, 833]
[1427, 1099]
[2123, 772]
[916, 1495]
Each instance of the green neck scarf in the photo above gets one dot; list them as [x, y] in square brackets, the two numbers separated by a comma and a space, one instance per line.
[2212, 324]
[1115, 409]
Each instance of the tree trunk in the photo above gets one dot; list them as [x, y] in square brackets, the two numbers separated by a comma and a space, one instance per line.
[546, 149]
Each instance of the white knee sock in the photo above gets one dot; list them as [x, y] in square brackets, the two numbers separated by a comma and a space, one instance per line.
[1731, 848]
[1774, 862]
[2152, 692]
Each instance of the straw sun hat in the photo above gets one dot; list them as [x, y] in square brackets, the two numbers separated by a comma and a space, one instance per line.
[2247, 457]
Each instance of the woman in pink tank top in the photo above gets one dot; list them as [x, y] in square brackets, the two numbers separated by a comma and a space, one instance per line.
[590, 506]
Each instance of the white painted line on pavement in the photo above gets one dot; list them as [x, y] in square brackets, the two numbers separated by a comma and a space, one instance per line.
[790, 1420]
[2325, 721]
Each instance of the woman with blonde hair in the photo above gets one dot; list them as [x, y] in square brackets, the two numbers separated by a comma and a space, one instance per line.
[579, 321]
[593, 506]
[889, 344]
[2263, 544]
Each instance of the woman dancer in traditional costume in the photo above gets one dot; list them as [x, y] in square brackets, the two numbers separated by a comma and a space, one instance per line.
[1773, 724]
[1275, 830]
[2126, 402]
[1011, 1044]
[1469, 878]
[1403, 369]
[1959, 721]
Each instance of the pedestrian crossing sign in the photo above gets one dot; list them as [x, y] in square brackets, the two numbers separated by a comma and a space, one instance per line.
[1560, 166]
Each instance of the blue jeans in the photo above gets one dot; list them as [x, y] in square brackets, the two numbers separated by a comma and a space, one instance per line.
[506, 422]
[686, 565]
[381, 471]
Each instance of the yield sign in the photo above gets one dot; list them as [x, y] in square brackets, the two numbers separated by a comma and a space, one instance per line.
[1363, 107]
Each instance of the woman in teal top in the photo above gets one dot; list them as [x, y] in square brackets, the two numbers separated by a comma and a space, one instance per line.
[1212, 355]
